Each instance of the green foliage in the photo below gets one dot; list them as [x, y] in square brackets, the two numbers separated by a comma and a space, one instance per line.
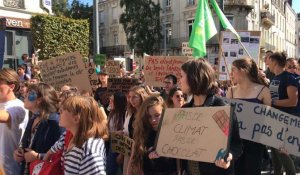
[57, 36]
[59, 7]
[141, 22]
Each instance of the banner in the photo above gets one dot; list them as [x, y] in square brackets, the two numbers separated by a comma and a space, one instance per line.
[121, 143]
[157, 67]
[268, 126]
[198, 134]
[121, 84]
[93, 78]
[66, 69]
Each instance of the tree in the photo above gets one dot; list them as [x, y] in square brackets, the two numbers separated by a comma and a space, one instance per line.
[59, 7]
[141, 22]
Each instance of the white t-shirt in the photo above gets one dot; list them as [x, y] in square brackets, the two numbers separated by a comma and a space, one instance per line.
[11, 134]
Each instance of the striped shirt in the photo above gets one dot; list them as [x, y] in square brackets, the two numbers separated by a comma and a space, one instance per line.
[89, 159]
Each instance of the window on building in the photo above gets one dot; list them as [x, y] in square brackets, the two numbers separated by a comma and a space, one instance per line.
[190, 2]
[168, 3]
[114, 14]
[168, 33]
[230, 19]
[14, 3]
[101, 16]
[116, 39]
[101, 40]
[9, 40]
[190, 26]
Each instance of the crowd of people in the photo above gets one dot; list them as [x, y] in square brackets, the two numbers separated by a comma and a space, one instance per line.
[36, 121]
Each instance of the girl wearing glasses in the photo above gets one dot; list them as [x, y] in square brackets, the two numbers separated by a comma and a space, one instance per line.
[291, 65]
[42, 130]
[175, 98]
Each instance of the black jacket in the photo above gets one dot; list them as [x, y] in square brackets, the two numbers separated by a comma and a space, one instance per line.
[235, 144]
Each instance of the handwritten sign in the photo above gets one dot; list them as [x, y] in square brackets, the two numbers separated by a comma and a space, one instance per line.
[121, 84]
[121, 144]
[269, 126]
[186, 50]
[113, 68]
[198, 134]
[66, 69]
[91, 71]
[157, 67]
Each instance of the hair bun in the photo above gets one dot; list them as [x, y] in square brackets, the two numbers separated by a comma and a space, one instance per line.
[284, 55]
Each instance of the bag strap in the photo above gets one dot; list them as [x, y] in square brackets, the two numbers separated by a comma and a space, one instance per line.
[68, 138]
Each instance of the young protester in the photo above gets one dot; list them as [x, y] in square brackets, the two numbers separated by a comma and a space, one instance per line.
[135, 98]
[252, 88]
[198, 79]
[101, 95]
[22, 75]
[23, 90]
[42, 130]
[144, 160]
[176, 98]
[85, 153]
[13, 120]
[291, 65]
[116, 119]
[284, 93]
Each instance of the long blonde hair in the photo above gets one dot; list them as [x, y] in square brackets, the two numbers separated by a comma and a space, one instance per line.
[142, 129]
[92, 124]
[141, 92]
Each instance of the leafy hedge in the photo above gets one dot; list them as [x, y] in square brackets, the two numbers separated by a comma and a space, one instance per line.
[56, 36]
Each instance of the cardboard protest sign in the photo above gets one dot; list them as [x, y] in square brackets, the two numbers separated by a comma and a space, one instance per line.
[157, 67]
[93, 78]
[112, 67]
[199, 134]
[268, 126]
[121, 84]
[186, 50]
[121, 143]
[66, 69]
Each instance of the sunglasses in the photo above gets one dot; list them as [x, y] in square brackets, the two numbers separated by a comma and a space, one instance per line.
[292, 67]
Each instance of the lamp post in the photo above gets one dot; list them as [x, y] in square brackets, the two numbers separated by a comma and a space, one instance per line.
[96, 27]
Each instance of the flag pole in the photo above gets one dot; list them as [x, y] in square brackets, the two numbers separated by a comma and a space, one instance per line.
[245, 49]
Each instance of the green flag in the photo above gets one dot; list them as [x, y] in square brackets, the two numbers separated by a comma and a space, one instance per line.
[203, 29]
[225, 23]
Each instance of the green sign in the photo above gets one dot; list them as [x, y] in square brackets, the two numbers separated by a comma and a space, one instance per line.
[99, 59]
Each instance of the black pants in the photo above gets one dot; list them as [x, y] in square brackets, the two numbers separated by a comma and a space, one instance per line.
[250, 162]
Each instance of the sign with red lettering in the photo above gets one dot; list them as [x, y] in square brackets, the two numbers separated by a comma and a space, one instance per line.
[198, 134]
[113, 68]
[157, 67]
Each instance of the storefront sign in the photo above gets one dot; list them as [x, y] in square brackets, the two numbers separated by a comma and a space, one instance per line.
[17, 23]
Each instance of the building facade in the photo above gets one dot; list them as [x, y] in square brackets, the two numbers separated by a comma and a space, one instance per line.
[274, 18]
[15, 16]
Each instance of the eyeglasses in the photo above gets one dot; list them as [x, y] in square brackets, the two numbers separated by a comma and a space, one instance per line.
[167, 82]
[292, 67]
[179, 96]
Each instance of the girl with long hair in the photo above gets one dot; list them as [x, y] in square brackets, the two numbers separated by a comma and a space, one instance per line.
[116, 119]
[85, 153]
[284, 93]
[135, 97]
[252, 88]
[198, 79]
[176, 98]
[42, 130]
[144, 160]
